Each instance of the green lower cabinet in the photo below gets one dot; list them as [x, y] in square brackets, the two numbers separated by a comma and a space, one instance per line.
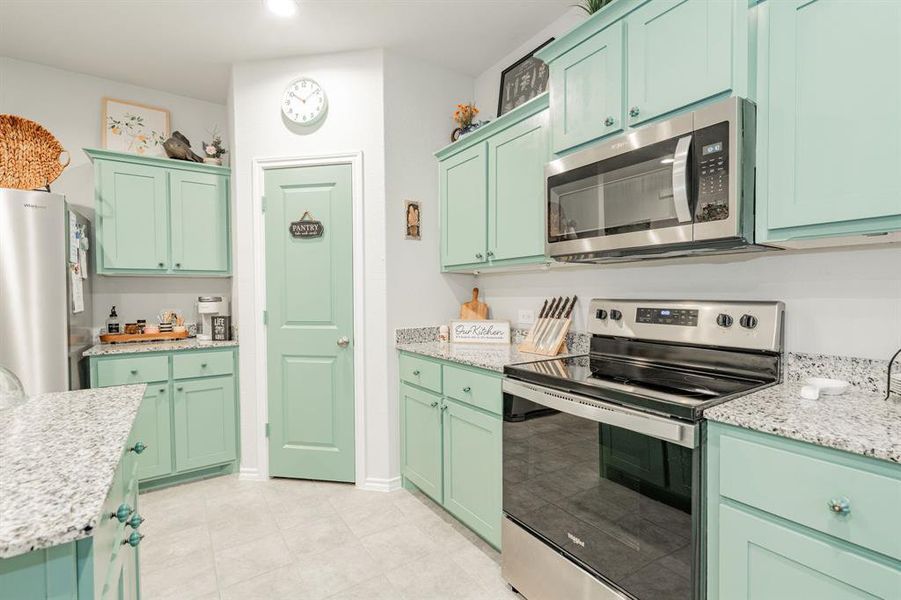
[472, 468]
[761, 559]
[153, 428]
[421, 450]
[204, 422]
[787, 519]
[50, 574]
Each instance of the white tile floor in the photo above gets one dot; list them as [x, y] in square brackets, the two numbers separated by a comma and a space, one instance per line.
[227, 538]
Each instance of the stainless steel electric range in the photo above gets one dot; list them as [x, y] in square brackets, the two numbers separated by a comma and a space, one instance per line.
[602, 452]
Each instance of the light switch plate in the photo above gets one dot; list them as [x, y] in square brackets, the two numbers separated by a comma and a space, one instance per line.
[526, 317]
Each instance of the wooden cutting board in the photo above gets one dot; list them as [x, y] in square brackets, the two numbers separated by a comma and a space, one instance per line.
[474, 310]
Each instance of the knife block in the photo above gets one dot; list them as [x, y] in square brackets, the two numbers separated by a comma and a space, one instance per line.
[547, 346]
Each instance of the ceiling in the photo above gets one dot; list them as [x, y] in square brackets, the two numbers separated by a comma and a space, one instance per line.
[187, 46]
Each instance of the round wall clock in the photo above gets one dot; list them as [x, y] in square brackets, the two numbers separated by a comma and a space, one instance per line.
[304, 101]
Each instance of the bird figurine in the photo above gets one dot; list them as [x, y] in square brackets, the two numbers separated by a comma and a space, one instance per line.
[179, 147]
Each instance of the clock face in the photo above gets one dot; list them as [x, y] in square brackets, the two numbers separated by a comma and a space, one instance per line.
[304, 101]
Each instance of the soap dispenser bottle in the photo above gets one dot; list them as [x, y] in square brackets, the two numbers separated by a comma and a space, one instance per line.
[112, 323]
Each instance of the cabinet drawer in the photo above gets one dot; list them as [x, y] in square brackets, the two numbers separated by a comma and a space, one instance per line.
[477, 389]
[420, 372]
[202, 364]
[789, 481]
[122, 371]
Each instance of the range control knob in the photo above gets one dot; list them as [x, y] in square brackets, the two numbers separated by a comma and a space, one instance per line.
[748, 321]
[615, 315]
[600, 314]
[724, 320]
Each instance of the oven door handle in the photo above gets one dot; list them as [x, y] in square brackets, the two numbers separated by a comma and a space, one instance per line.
[680, 179]
[662, 428]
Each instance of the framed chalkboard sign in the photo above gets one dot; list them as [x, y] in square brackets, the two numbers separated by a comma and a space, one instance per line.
[306, 228]
[522, 81]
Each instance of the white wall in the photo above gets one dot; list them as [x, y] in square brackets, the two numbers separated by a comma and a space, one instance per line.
[419, 102]
[353, 83]
[488, 83]
[68, 104]
[845, 302]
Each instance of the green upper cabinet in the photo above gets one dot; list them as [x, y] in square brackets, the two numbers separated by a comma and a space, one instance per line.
[464, 198]
[824, 64]
[199, 221]
[492, 192]
[204, 422]
[158, 216]
[132, 218]
[516, 159]
[679, 52]
[586, 90]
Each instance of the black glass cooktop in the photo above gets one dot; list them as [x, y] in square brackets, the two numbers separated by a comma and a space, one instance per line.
[677, 391]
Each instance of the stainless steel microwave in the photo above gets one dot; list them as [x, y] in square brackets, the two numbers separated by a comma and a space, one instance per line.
[681, 186]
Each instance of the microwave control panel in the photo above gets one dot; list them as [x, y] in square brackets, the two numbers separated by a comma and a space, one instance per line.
[712, 151]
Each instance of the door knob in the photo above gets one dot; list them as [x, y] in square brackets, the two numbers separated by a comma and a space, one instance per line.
[343, 341]
[609, 121]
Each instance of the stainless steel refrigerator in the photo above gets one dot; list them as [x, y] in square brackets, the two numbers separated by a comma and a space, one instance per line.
[41, 338]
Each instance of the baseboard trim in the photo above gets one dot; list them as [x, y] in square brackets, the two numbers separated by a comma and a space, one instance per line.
[377, 484]
[251, 474]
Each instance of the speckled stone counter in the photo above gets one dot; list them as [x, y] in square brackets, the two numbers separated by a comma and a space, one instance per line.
[186, 344]
[58, 455]
[492, 357]
[859, 421]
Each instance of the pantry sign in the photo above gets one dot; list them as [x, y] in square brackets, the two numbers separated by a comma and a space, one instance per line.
[306, 228]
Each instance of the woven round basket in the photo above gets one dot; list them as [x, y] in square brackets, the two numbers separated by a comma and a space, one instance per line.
[30, 157]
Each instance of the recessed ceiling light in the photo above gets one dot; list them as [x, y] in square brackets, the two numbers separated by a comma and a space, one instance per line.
[281, 8]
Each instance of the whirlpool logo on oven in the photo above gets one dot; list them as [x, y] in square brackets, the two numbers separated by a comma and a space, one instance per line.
[575, 540]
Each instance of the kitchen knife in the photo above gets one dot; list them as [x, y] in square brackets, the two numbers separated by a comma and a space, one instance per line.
[545, 322]
[541, 314]
[558, 313]
[559, 323]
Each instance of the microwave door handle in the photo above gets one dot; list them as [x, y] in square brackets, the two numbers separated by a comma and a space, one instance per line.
[680, 180]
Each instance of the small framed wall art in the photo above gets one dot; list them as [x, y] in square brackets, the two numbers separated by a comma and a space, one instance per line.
[413, 220]
[522, 81]
[133, 127]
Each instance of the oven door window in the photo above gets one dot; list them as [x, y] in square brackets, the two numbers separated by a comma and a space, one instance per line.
[617, 502]
[642, 190]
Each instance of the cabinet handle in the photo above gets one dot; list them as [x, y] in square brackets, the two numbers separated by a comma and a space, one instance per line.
[840, 506]
[609, 121]
[134, 371]
[138, 447]
[162, 390]
[416, 373]
[343, 341]
[633, 111]
[490, 254]
[479, 255]
[179, 388]
[161, 265]
[444, 407]
[203, 365]
[467, 389]
[135, 521]
[434, 404]
[122, 513]
[133, 539]
[177, 265]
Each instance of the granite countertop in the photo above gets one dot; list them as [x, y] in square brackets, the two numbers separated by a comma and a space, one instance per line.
[493, 357]
[58, 454]
[132, 347]
[860, 421]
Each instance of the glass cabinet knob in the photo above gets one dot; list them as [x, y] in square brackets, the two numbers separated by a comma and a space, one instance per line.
[840, 506]
[133, 539]
[138, 447]
[135, 521]
[122, 513]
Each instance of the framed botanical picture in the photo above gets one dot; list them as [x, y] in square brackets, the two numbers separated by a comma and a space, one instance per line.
[133, 127]
[522, 81]
[412, 216]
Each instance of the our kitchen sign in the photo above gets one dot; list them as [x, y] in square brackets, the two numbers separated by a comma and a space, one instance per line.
[306, 228]
[480, 332]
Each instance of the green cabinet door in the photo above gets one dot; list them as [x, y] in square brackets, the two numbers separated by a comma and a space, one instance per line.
[586, 86]
[204, 422]
[472, 468]
[153, 428]
[827, 65]
[679, 52]
[421, 439]
[199, 220]
[464, 190]
[49, 574]
[762, 559]
[132, 218]
[516, 159]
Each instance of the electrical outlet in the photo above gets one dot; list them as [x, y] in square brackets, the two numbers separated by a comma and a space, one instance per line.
[526, 317]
